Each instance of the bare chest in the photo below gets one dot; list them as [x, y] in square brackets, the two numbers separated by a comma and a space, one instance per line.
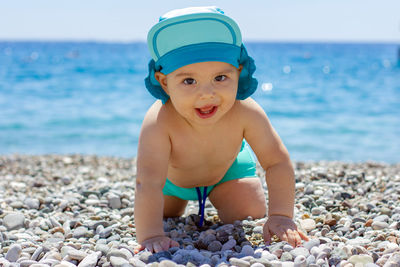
[202, 162]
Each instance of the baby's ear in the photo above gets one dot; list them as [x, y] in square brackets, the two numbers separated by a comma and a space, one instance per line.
[162, 79]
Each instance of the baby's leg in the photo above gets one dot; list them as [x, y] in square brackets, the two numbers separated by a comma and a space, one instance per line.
[174, 206]
[237, 199]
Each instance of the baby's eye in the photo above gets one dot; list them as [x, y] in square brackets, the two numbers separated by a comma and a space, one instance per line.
[220, 78]
[189, 81]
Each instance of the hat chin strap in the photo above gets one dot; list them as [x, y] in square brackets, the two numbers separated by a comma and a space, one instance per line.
[202, 203]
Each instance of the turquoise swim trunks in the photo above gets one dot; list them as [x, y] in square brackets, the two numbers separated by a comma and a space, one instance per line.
[244, 166]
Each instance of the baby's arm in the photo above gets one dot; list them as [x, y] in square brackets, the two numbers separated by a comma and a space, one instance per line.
[275, 160]
[152, 164]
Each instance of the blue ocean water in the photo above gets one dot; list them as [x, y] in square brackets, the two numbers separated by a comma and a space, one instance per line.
[326, 101]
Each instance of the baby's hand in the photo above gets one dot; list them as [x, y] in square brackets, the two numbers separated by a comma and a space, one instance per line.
[157, 244]
[285, 229]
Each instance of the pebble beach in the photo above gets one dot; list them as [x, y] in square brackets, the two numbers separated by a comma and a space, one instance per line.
[75, 210]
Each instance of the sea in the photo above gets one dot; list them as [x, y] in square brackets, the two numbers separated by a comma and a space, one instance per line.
[327, 101]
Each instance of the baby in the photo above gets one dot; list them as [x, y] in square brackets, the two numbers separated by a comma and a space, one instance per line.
[194, 143]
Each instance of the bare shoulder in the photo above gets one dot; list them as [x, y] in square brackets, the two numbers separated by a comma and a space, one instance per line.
[155, 115]
[250, 109]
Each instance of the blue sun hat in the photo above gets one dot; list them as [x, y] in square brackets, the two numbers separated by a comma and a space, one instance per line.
[193, 35]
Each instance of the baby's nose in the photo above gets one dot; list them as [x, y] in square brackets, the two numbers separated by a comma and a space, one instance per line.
[207, 91]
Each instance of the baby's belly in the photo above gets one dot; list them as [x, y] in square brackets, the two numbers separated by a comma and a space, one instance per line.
[198, 176]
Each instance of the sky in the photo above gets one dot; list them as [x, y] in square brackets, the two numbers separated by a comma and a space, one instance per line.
[259, 20]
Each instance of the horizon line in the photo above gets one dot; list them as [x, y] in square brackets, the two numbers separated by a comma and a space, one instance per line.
[250, 40]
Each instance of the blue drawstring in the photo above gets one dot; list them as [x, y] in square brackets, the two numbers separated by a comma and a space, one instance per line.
[202, 203]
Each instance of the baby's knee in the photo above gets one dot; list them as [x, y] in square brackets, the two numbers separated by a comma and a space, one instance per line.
[257, 211]
[173, 214]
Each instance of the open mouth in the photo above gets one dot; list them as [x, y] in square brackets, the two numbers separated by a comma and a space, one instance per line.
[206, 112]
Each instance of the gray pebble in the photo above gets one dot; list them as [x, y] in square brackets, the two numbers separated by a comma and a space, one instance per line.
[309, 189]
[167, 263]
[178, 258]
[118, 262]
[114, 202]
[17, 204]
[102, 248]
[49, 262]
[81, 231]
[338, 253]
[276, 263]
[144, 256]
[66, 180]
[358, 241]
[228, 245]
[76, 254]
[116, 253]
[381, 218]
[239, 262]
[379, 225]
[90, 260]
[311, 243]
[113, 238]
[287, 248]
[311, 260]
[65, 263]
[287, 264]
[209, 238]
[300, 261]
[286, 256]
[136, 262]
[27, 263]
[13, 253]
[300, 251]
[307, 224]
[14, 221]
[37, 253]
[247, 250]
[32, 203]
[106, 232]
[317, 210]
[54, 222]
[390, 263]
[395, 258]
[163, 254]
[258, 230]
[214, 246]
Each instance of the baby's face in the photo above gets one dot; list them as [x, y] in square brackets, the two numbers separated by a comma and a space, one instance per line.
[202, 92]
